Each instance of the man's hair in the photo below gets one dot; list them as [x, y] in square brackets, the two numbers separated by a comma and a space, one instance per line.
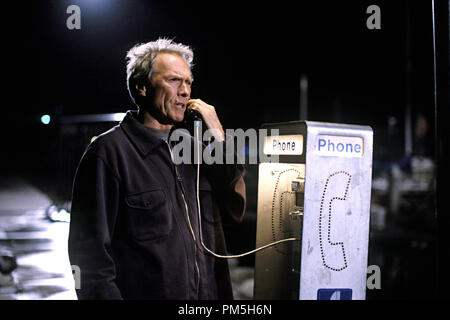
[141, 57]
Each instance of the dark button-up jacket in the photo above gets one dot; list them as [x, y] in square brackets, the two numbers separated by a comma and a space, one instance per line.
[134, 230]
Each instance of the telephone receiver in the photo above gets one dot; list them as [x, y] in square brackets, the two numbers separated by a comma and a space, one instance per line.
[190, 116]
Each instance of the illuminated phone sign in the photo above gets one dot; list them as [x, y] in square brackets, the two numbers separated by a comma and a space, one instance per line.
[284, 145]
[340, 146]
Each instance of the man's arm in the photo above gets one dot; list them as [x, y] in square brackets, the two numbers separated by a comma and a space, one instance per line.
[227, 178]
[228, 182]
[93, 215]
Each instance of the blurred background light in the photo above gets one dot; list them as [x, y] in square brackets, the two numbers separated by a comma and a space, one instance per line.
[45, 119]
[118, 116]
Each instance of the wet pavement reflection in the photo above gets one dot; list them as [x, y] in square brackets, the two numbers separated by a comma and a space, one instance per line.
[39, 246]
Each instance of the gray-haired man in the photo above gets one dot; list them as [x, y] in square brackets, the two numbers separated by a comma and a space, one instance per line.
[134, 229]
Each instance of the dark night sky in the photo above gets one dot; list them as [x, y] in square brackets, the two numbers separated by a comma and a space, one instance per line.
[248, 59]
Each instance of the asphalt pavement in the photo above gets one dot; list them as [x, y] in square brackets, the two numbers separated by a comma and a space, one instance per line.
[40, 247]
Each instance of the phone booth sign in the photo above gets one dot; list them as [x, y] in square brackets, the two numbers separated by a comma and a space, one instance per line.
[318, 192]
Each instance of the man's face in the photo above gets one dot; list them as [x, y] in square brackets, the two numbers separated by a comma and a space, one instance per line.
[170, 87]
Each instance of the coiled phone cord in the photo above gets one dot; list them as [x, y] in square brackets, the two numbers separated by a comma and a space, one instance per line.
[196, 128]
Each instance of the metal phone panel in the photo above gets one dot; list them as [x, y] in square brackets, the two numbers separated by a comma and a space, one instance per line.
[337, 210]
[329, 260]
[277, 267]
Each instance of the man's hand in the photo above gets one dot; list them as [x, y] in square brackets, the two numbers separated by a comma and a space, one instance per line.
[209, 116]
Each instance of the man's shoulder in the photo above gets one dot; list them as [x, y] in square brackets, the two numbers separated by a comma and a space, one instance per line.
[107, 142]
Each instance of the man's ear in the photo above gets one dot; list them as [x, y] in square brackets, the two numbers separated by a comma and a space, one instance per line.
[141, 90]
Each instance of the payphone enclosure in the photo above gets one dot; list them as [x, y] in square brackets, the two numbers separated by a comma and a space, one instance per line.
[318, 192]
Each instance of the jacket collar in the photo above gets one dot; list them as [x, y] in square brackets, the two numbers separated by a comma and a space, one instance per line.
[141, 138]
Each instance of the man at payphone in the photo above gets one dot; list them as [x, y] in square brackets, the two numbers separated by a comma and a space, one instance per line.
[134, 230]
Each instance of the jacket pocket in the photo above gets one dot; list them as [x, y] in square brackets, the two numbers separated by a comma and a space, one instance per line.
[210, 211]
[148, 214]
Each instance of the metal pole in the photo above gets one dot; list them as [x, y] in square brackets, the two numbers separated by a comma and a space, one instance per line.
[303, 97]
[437, 276]
[408, 117]
[441, 79]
